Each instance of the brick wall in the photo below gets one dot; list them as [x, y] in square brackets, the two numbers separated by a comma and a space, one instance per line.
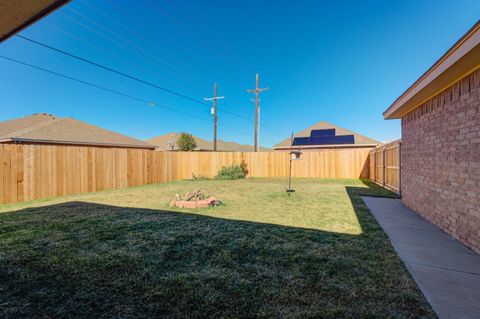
[441, 160]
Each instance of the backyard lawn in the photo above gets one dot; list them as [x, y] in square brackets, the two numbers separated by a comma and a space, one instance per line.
[125, 253]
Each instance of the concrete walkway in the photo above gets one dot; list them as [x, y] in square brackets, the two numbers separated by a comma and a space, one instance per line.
[447, 272]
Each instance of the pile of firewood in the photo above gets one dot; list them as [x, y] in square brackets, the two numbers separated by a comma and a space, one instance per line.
[192, 196]
[195, 199]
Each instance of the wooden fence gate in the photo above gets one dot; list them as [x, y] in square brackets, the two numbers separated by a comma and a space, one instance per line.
[385, 168]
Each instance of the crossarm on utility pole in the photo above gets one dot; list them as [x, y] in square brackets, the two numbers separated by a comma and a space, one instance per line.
[214, 113]
[256, 91]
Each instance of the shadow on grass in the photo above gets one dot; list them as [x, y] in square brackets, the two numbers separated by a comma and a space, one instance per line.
[88, 260]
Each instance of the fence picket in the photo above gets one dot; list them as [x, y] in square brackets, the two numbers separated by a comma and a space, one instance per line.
[37, 171]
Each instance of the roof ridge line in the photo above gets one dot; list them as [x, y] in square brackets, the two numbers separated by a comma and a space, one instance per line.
[33, 128]
[105, 130]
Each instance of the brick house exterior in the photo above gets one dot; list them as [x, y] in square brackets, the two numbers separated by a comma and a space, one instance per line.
[441, 160]
[440, 157]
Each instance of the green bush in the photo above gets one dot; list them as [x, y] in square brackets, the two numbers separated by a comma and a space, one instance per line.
[186, 142]
[232, 172]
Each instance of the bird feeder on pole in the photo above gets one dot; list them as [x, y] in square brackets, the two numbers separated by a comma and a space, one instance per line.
[294, 156]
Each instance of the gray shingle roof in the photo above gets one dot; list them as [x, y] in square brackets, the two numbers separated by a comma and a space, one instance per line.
[49, 129]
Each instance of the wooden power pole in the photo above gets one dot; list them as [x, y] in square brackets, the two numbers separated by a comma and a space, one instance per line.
[257, 91]
[214, 113]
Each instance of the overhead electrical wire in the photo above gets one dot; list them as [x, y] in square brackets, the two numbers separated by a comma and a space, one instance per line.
[169, 66]
[139, 36]
[141, 100]
[132, 77]
[224, 44]
[115, 71]
[137, 51]
[96, 47]
[180, 26]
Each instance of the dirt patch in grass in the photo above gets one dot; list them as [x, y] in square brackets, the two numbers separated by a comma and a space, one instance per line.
[318, 253]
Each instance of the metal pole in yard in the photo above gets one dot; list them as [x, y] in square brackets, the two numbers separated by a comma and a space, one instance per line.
[289, 190]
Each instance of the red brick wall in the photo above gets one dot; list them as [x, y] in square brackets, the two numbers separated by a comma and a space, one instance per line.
[441, 160]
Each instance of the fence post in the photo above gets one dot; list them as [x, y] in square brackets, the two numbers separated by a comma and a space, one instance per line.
[384, 166]
[400, 169]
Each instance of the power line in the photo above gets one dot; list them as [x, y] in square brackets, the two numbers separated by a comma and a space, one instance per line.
[213, 32]
[247, 119]
[154, 58]
[130, 76]
[136, 49]
[137, 99]
[113, 70]
[146, 70]
[108, 39]
[180, 26]
[96, 47]
[113, 5]
[155, 5]
[139, 36]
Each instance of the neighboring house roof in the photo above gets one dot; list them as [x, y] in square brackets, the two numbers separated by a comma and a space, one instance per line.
[460, 60]
[358, 138]
[162, 143]
[16, 15]
[49, 129]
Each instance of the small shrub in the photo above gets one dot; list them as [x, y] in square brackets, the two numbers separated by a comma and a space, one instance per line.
[186, 142]
[231, 172]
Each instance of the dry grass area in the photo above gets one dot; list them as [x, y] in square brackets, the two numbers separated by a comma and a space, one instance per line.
[125, 253]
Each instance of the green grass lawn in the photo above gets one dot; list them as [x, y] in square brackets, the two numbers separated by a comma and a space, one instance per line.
[318, 253]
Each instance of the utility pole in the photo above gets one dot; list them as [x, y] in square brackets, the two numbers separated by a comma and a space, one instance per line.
[257, 91]
[214, 113]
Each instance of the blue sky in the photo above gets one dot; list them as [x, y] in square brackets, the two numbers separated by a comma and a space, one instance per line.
[343, 62]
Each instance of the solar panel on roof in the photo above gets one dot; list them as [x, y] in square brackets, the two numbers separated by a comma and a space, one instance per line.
[324, 140]
[323, 132]
[300, 141]
[345, 139]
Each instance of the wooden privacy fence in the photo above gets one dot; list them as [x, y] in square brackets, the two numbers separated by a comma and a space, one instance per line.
[384, 167]
[351, 163]
[29, 172]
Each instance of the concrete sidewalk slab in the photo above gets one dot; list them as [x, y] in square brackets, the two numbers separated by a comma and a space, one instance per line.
[447, 272]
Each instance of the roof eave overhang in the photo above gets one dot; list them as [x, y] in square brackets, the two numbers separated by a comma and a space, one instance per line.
[14, 29]
[56, 142]
[325, 146]
[458, 62]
